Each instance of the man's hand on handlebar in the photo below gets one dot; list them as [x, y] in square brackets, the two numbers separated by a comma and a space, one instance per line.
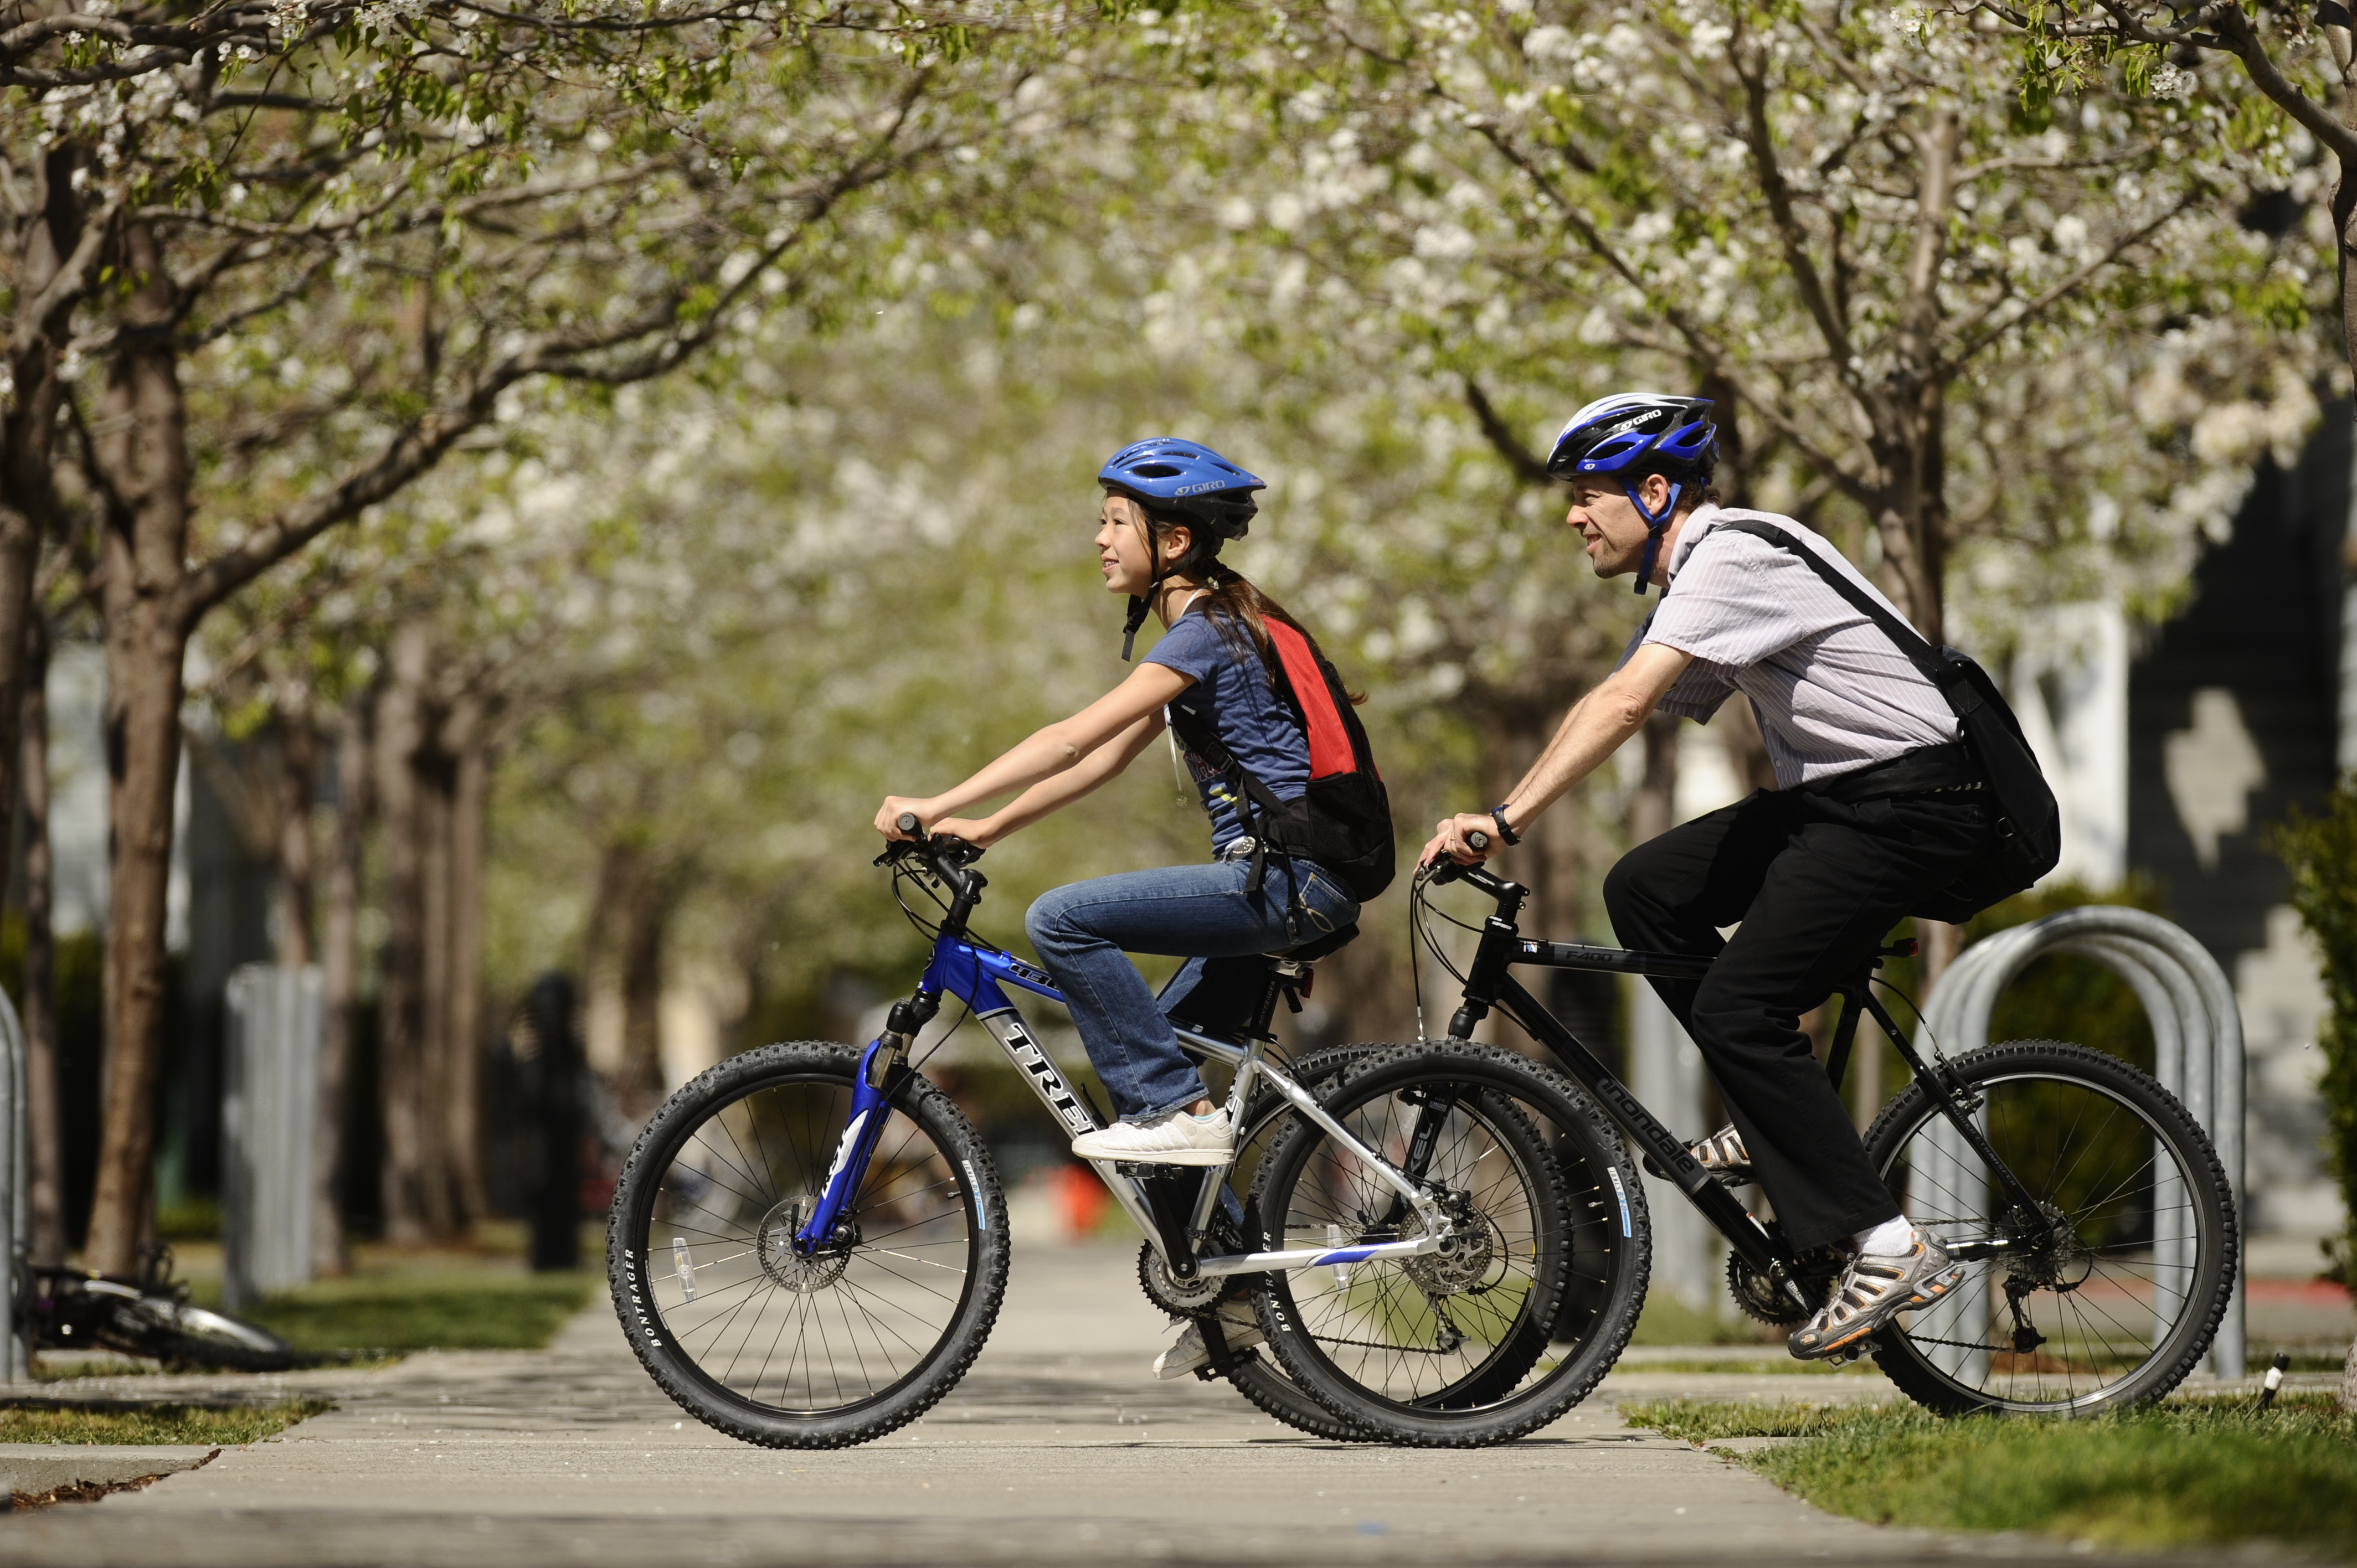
[1467, 838]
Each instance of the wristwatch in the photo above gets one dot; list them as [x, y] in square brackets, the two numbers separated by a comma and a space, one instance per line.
[1498, 815]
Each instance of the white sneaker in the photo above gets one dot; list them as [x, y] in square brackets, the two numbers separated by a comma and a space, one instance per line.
[1178, 1139]
[1238, 1326]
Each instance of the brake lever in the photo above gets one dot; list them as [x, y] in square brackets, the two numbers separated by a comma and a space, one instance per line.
[1445, 871]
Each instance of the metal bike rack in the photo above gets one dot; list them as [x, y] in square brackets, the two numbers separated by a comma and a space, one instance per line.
[15, 1358]
[2197, 1032]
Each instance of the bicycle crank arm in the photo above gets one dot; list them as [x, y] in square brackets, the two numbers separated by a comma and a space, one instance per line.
[1320, 1257]
[1984, 1247]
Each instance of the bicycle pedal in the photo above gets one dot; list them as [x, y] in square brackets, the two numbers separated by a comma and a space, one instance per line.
[1145, 1170]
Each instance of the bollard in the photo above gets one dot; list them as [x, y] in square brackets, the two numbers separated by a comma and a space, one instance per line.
[16, 1227]
[2197, 1032]
[270, 1116]
[552, 1107]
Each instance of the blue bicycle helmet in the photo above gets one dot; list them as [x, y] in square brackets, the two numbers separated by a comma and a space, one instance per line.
[1633, 434]
[1166, 474]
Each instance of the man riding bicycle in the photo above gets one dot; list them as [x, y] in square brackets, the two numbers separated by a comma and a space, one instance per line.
[1878, 803]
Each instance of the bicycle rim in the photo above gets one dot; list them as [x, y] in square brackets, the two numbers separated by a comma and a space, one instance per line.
[784, 1333]
[2120, 1307]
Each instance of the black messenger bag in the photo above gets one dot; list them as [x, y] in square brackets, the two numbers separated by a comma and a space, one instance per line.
[2030, 824]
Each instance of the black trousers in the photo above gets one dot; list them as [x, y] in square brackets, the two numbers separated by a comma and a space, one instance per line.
[1816, 884]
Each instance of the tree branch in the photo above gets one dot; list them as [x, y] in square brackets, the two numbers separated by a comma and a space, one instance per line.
[1789, 236]
[1529, 469]
[1976, 340]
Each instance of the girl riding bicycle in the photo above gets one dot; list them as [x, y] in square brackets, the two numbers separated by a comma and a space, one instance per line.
[1168, 507]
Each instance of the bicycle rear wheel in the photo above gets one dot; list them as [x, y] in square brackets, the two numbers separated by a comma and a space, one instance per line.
[1552, 1243]
[794, 1351]
[2109, 1294]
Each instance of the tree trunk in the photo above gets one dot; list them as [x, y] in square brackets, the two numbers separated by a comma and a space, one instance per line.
[143, 457]
[645, 912]
[1737, 728]
[1653, 809]
[46, 1202]
[339, 985]
[469, 799]
[27, 438]
[2349, 1381]
[299, 785]
[401, 1032]
[1553, 854]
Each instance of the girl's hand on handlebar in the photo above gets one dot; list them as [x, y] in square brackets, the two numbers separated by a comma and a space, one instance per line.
[1451, 839]
[887, 819]
[981, 834]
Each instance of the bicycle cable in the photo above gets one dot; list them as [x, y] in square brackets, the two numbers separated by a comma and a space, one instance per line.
[903, 872]
[1421, 913]
[1922, 1023]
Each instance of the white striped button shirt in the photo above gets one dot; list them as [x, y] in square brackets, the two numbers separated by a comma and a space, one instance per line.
[1833, 694]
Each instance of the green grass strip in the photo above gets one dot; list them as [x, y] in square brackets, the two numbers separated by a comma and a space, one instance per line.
[2191, 1471]
[194, 1424]
[459, 1309]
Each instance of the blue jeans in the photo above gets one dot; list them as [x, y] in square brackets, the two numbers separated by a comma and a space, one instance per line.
[1195, 912]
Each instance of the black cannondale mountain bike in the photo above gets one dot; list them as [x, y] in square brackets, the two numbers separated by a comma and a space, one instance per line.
[2093, 1215]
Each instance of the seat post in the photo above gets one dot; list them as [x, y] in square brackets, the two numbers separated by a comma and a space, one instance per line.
[1282, 971]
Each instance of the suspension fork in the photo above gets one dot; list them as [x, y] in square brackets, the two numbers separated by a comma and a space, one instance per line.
[883, 1068]
[1935, 1084]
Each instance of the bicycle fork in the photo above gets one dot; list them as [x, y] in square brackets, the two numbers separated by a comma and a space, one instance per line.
[885, 1060]
[883, 1068]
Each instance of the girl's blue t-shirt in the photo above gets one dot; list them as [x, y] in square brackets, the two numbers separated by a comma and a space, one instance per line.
[1232, 691]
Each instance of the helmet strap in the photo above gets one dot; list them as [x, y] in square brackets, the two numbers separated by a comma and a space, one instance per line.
[1656, 525]
[1139, 606]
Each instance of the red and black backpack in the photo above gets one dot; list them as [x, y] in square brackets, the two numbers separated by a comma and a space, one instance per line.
[1343, 821]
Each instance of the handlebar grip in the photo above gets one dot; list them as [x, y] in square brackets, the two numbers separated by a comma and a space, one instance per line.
[907, 823]
[1478, 841]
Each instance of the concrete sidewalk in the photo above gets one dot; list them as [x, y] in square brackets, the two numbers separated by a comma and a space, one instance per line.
[1059, 1447]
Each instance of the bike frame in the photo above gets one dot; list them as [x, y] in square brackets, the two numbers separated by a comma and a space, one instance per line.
[1490, 984]
[978, 975]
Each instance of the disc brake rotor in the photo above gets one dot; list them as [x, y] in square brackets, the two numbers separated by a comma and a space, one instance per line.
[789, 1267]
[1463, 1263]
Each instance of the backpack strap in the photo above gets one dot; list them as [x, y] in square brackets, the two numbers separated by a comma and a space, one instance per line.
[1919, 652]
[1199, 737]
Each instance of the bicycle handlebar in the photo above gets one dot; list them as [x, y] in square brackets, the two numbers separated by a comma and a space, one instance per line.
[944, 854]
[1445, 872]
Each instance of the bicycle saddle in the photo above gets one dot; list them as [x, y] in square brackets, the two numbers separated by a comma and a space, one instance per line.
[1320, 946]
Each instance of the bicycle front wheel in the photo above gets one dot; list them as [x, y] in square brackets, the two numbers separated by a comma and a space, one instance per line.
[786, 1349]
[1544, 1270]
[2106, 1294]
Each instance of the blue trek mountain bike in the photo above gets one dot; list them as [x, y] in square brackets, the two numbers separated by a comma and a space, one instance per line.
[1444, 1243]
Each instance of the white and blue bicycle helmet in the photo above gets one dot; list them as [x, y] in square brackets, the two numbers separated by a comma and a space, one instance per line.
[1633, 434]
[1168, 476]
